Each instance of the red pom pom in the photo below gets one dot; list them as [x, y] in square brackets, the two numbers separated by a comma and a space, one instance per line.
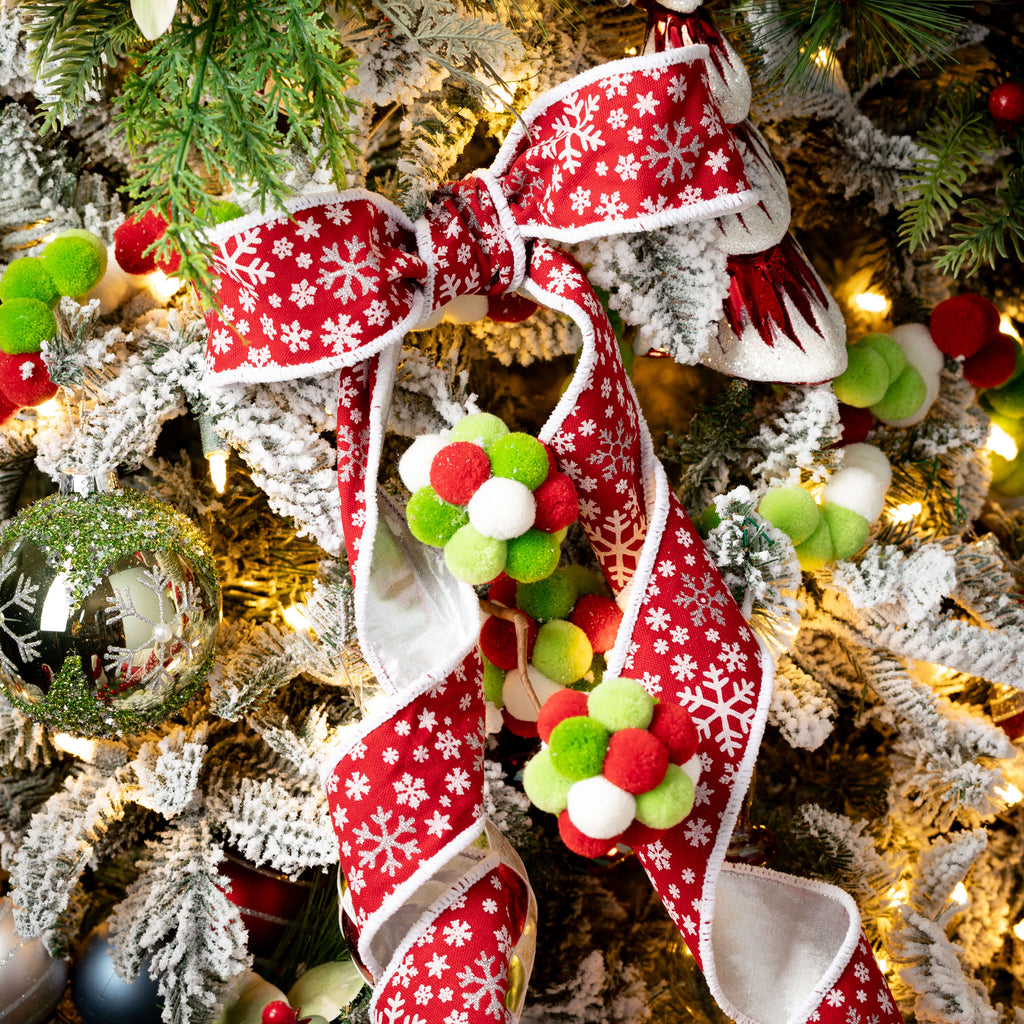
[519, 726]
[636, 760]
[560, 705]
[498, 641]
[24, 379]
[856, 424]
[552, 460]
[7, 409]
[638, 834]
[133, 238]
[279, 1012]
[1006, 103]
[503, 591]
[457, 470]
[673, 725]
[599, 617]
[963, 324]
[580, 843]
[557, 506]
[511, 308]
[993, 365]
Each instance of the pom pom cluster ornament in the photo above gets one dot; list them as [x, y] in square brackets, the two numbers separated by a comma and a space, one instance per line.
[109, 607]
[491, 497]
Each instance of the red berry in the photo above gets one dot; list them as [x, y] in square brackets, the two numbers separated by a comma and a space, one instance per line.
[279, 1012]
[856, 424]
[638, 834]
[994, 364]
[599, 617]
[457, 470]
[1006, 103]
[636, 760]
[560, 705]
[961, 325]
[133, 238]
[503, 591]
[579, 843]
[24, 379]
[673, 725]
[557, 506]
[498, 641]
[519, 726]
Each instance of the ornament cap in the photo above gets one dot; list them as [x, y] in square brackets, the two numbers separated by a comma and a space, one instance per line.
[105, 482]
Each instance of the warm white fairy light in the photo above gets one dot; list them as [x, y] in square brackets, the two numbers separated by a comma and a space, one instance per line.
[498, 97]
[296, 618]
[1009, 793]
[960, 895]
[824, 57]
[631, 51]
[905, 513]
[1018, 929]
[898, 894]
[162, 286]
[79, 746]
[48, 408]
[218, 469]
[1006, 326]
[883, 963]
[1000, 442]
[872, 302]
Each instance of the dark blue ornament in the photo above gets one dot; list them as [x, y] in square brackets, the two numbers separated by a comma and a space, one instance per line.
[100, 996]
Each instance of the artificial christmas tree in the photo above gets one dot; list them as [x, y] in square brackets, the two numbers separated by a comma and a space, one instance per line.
[319, 135]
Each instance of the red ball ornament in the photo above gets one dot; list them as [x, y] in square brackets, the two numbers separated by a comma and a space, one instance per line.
[1006, 103]
[636, 760]
[457, 470]
[994, 364]
[962, 325]
[498, 641]
[552, 460]
[599, 617]
[25, 380]
[856, 424]
[7, 409]
[674, 726]
[279, 1012]
[557, 506]
[560, 705]
[503, 591]
[267, 902]
[134, 237]
[579, 843]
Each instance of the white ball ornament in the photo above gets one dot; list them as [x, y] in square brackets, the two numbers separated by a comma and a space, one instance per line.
[599, 809]
[867, 456]
[857, 489]
[502, 508]
[414, 465]
[514, 697]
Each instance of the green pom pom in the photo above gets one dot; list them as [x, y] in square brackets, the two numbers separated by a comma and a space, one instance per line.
[817, 550]
[577, 747]
[532, 556]
[906, 394]
[1009, 399]
[1008, 476]
[27, 279]
[669, 802]
[474, 558]
[549, 598]
[793, 510]
[585, 580]
[1013, 427]
[76, 260]
[225, 211]
[519, 457]
[620, 703]
[865, 379]
[545, 785]
[24, 325]
[431, 519]
[848, 529]
[494, 680]
[481, 428]
[562, 652]
[890, 350]
[709, 519]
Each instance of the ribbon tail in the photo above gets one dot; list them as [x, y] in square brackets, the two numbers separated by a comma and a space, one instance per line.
[774, 949]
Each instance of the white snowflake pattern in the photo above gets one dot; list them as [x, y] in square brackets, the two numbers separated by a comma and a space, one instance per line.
[611, 206]
[357, 785]
[617, 542]
[410, 790]
[717, 162]
[672, 151]
[457, 781]
[658, 855]
[448, 744]
[719, 702]
[580, 199]
[697, 832]
[307, 229]
[613, 455]
[706, 600]
[657, 619]
[385, 841]
[243, 264]
[457, 933]
[488, 985]
[355, 269]
[26, 639]
[628, 167]
[835, 998]
[438, 824]
[574, 133]
[303, 293]
[295, 336]
[341, 334]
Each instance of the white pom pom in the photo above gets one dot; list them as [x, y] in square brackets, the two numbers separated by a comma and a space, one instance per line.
[502, 508]
[922, 352]
[414, 465]
[692, 769]
[856, 489]
[493, 722]
[513, 696]
[600, 809]
[867, 456]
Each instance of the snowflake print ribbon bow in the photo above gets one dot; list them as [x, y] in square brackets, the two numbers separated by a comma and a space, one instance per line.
[444, 913]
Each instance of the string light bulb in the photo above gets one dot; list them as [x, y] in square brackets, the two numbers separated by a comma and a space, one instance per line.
[1006, 326]
[79, 746]
[1000, 443]
[162, 286]
[1018, 929]
[898, 894]
[216, 450]
[905, 513]
[1009, 794]
[296, 618]
[872, 302]
[960, 895]
[48, 408]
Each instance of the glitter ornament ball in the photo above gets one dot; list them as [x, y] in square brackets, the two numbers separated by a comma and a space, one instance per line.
[31, 981]
[109, 607]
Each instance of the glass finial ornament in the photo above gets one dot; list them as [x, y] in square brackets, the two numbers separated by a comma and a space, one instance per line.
[109, 607]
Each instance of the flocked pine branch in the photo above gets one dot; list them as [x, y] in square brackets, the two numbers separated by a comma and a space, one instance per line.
[802, 709]
[796, 439]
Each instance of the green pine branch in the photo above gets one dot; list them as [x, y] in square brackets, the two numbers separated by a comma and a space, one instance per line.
[955, 142]
[880, 32]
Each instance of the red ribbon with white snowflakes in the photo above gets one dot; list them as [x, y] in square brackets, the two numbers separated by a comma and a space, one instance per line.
[442, 906]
